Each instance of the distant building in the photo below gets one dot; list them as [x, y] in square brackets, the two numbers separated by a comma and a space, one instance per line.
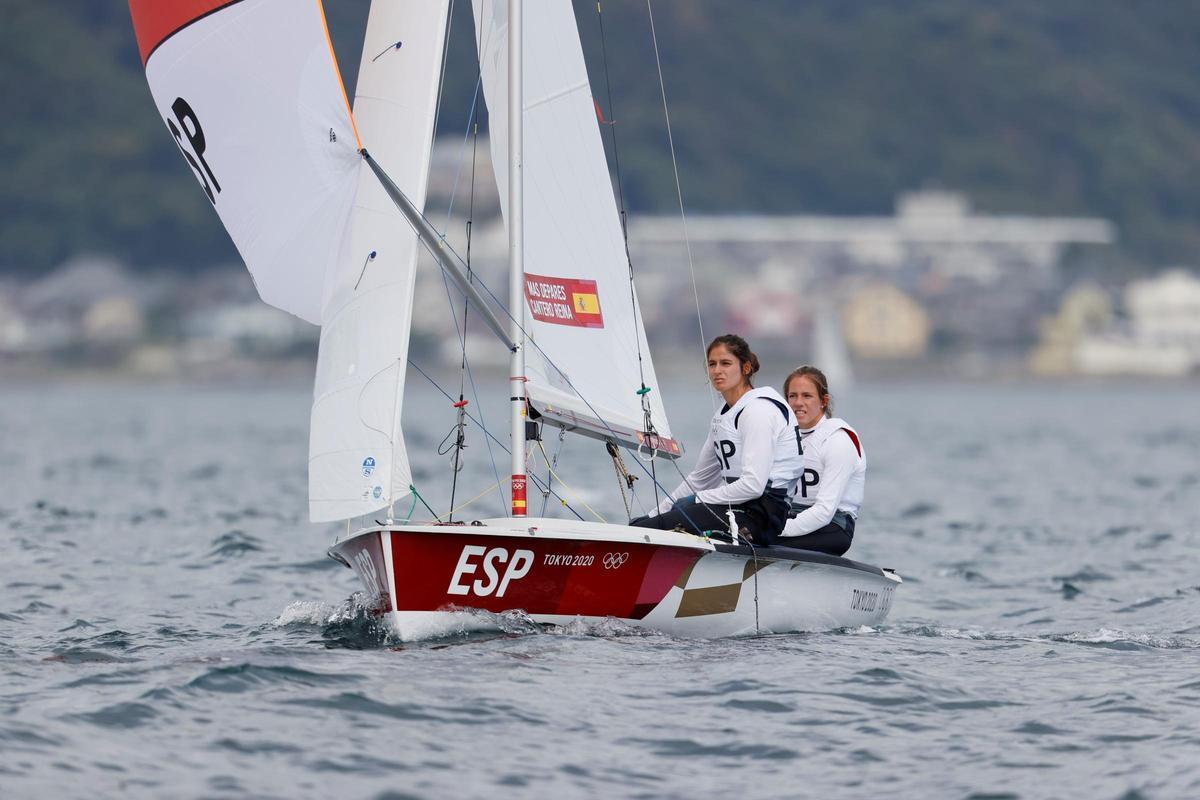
[252, 328]
[1116, 355]
[1085, 311]
[933, 231]
[882, 322]
[1165, 310]
[1161, 336]
[14, 333]
[984, 280]
[113, 321]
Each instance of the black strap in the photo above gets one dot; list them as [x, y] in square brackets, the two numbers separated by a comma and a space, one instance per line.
[782, 409]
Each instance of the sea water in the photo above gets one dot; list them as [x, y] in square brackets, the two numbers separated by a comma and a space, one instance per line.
[171, 627]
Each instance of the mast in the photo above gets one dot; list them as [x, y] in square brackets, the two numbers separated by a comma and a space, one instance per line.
[516, 258]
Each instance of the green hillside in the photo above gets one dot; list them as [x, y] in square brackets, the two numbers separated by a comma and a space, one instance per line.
[830, 106]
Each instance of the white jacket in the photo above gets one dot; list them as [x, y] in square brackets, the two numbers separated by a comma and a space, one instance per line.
[749, 444]
[834, 478]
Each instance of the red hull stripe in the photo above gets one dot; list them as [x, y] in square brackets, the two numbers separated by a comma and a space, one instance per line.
[155, 21]
[854, 438]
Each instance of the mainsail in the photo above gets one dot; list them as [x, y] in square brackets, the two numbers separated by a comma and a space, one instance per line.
[580, 315]
[357, 459]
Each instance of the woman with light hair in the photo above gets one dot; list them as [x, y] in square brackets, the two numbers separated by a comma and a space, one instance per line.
[830, 491]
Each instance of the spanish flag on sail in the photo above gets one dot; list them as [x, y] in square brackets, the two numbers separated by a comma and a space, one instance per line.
[564, 301]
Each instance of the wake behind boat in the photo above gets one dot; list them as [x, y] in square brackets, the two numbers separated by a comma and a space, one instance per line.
[325, 205]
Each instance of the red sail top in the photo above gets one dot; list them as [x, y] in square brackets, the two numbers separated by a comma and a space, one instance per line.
[155, 21]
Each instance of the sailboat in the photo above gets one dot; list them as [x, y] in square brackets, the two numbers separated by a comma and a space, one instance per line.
[829, 348]
[323, 199]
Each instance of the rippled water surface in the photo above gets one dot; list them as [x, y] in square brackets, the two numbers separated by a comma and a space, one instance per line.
[170, 625]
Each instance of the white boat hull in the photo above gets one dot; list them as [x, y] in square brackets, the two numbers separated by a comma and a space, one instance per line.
[432, 581]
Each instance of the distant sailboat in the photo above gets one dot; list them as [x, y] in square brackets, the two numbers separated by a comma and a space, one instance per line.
[829, 349]
[325, 207]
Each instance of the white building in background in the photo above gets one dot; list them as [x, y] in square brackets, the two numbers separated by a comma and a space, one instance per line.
[1165, 311]
[1161, 334]
[14, 333]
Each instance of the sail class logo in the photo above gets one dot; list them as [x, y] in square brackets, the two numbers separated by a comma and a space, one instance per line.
[564, 301]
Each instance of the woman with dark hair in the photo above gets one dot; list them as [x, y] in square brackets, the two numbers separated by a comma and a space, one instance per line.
[750, 462]
[830, 491]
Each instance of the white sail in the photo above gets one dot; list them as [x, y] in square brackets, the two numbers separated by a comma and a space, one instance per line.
[250, 91]
[357, 459]
[583, 321]
[829, 349]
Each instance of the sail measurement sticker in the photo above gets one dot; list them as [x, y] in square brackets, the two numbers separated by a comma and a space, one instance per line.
[564, 301]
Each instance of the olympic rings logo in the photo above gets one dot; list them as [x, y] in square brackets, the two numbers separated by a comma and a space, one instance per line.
[615, 560]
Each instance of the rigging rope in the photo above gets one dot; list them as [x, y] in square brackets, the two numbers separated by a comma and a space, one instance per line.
[461, 404]
[478, 497]
[490, 436]
[678, 186]
[582, 502]
[624, 479]
[562, 434]
[687, 240]
[644, 390]
[417, 495]
[531, 341]
[472, 127]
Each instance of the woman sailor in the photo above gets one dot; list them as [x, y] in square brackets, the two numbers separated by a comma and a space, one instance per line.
[749, 464]
[830, 491]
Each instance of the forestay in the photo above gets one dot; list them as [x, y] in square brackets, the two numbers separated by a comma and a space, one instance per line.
[579, 310]
[250, 91]
[357, 458]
